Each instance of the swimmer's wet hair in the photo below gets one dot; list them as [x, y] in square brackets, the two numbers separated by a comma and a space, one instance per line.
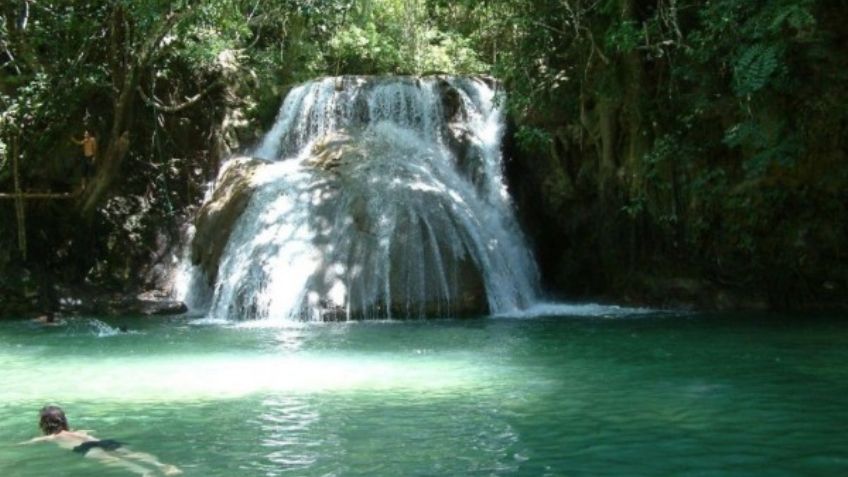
[52, 420]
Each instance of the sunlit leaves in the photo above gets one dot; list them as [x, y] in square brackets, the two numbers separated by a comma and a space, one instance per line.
[532, 139]
[397, 36]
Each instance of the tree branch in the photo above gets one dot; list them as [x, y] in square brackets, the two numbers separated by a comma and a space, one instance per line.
[167, 108]
[149, 47]
[11, 57]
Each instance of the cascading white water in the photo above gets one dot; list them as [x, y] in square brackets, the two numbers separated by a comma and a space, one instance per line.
[382, 197]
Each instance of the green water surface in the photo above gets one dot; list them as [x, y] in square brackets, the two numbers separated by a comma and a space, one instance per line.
[651, 394]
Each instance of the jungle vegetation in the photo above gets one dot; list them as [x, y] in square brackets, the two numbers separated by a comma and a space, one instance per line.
[657, 147]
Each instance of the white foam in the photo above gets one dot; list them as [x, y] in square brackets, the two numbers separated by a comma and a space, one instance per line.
[405, 231]
[592, 310]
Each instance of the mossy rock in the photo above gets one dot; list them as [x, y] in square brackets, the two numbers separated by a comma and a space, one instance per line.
[217, 217]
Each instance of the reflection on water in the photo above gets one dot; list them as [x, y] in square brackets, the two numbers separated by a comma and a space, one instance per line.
[288, 426]
[379, 436]
[656, 395]
[227, 375]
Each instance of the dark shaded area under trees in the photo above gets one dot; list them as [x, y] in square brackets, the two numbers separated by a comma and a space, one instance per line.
[663, 152]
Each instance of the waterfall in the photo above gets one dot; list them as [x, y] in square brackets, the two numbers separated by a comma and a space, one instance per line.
[377, 198]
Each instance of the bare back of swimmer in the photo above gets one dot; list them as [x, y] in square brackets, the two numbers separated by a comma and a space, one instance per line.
[54, 425]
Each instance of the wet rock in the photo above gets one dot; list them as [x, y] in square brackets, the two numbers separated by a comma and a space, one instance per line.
[157, 302]
[490, 81]
[460, 140]
[123, 306]
[94, 302]
[451, 103]
[335, 150]
[469, 296]
[159, 307]
[387, 226]
[344, 154]
[216, 218]
[333, 313]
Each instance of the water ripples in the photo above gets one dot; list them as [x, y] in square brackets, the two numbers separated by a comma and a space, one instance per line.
[489, 397]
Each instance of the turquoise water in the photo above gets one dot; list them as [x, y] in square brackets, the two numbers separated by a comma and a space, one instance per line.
[649, 394]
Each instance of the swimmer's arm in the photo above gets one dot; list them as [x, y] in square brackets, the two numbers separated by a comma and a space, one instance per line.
[36, 439]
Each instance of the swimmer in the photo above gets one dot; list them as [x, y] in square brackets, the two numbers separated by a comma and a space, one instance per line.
[54, 425]
[48, 319]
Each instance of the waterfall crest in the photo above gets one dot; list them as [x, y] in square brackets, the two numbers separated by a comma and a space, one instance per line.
[377, 198]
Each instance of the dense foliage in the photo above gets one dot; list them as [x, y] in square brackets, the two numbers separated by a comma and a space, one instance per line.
[712, 132]
[658, 139]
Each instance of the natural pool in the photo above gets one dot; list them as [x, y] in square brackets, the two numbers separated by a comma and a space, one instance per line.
[608, 394]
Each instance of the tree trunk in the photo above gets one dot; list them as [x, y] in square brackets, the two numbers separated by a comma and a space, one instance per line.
[128, 60]
[607, 123]
[632, 121]
[109, 164]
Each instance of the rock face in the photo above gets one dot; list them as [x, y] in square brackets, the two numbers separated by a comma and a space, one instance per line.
[347, 157]
[381, 197]
[144, 304]
[335, 150]
[367, 228]
[458, 134]
[216, 218]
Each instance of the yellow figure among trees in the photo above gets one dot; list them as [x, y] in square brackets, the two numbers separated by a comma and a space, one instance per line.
[89, 151]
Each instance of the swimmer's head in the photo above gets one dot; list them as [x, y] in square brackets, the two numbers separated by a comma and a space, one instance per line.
[52, 420]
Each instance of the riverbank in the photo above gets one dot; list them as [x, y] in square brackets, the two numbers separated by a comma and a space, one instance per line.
[88, 301]
[644, 292]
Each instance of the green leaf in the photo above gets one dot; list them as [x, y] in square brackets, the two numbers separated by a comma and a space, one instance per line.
[754, 68]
